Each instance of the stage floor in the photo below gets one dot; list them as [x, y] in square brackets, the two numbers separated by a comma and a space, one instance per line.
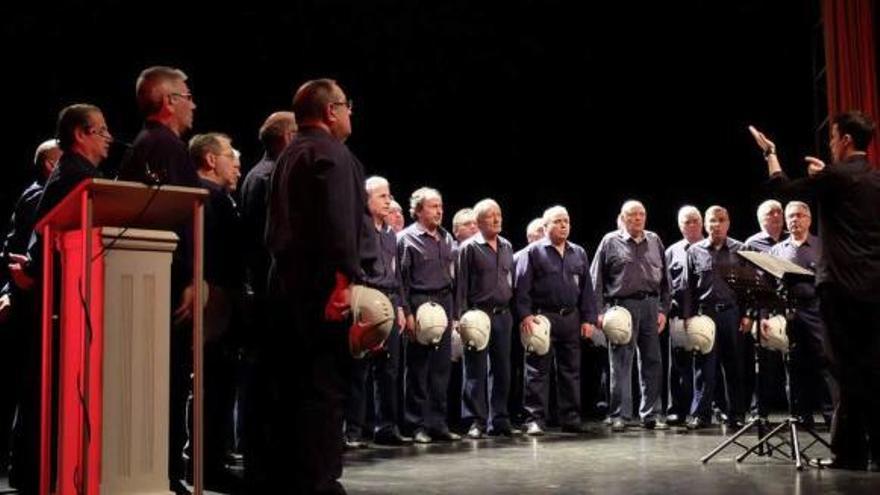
[636, 462]
[631, 463]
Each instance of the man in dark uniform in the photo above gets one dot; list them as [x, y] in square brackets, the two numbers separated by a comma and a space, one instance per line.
[553, 279]
[484, 282]
[85, 141]
[383, 365]
[629, 270]
[708, 293]
[534, 232]
[812, 386]
[426, 260]
[772, 379]
[160, 156]
[219, 171]
[318, 236]
[13, 298]
[275, 134]
[681, 361]
[847, 277]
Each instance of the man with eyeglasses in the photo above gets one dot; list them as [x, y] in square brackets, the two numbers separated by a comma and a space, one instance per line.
[320, 235]
[160, 156]
[84, 141]
[218, 170]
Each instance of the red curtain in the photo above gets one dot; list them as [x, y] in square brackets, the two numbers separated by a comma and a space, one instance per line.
[851, 60]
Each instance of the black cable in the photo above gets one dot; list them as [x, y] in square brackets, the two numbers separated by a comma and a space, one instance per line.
[87, 422]
[135, 220]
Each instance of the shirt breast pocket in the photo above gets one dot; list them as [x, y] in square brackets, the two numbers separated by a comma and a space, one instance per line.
[703, 265]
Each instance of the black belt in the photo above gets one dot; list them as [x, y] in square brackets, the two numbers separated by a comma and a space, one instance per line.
[638, 296]
[435, 293]
[493, 310]
[561, 311]
[717, 307]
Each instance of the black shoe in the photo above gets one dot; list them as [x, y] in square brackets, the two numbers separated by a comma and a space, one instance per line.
[475, 433]
[421, 436]
[655, 424]
[445, 436]
[220, 480]
[533, 429]
[806, 420]
[826, 463]
[697, 423]
[675, 420]
[763, 419]
[618, 425]
[578, 428]
[737, 423]
[178, 488]
[503, 432]
[391, 437]
[353, 444]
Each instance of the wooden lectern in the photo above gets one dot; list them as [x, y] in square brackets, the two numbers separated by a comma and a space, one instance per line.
[116, 240]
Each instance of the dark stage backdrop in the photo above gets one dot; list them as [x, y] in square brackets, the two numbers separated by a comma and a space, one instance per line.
[533, 103]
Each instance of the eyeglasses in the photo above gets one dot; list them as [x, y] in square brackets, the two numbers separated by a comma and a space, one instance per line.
[229, 154]
[348, 103]
[186, 96]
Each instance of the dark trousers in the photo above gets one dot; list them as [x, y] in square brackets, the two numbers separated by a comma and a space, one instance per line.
[25, 352]
[178, 398]
[811, 384]
[381, 368]
[427, 374]
[854, 335]
[517, 375]
[565, 351]
[219, 399]
[728, 352]
[645, 343]
[765, 391]
[681, 381]
[492, 366]
[300, 386]
[595, 371]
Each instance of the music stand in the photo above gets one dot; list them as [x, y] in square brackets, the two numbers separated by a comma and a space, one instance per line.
[759, 291]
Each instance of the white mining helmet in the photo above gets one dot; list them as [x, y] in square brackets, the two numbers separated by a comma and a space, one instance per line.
[776, 338]
[539, 341]
[373, 317]
[618, 325]
[701, 333]
[431, 322]
[475, 327]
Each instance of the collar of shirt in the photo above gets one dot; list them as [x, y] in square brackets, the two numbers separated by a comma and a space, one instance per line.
[439, 234]
[625, 235]
[707, 244]
[805, 242]
[77, 160]
[478, 237]
[546, 242]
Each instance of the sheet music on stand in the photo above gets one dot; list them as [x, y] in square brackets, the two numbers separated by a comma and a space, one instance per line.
[779, 268]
